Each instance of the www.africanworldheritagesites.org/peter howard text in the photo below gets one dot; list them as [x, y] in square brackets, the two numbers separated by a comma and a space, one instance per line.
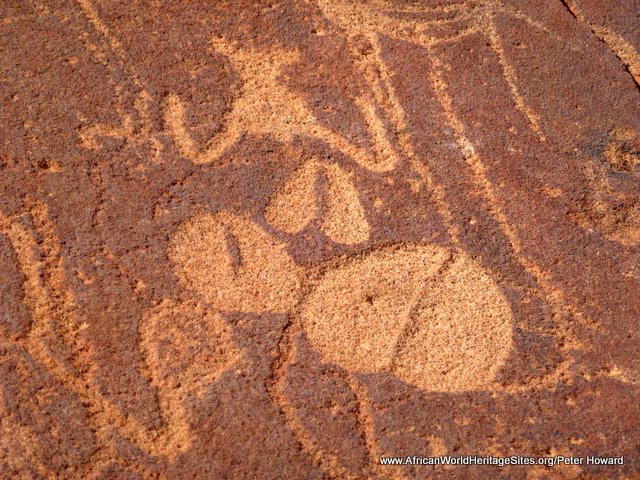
[515, 460]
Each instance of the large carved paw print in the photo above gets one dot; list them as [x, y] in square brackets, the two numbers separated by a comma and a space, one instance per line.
[434, 319]
[297, 203]
[234, 264]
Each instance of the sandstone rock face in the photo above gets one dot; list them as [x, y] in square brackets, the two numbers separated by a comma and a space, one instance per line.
[247, 239]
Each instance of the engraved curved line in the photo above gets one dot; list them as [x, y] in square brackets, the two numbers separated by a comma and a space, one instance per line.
[36, 292]
[622, 49]
[508, 72]
[175, 118]
[89, 134]
[32, 261]
[409, 328]
[329, 463]
[369, 22]
[554, 296]
[454, 7]
[126, 129]
[360, 18]
[7, 20]
[386, 96]
[508, 10]
[510, 78]
[86, 132]
[365, 419]
[462, 33]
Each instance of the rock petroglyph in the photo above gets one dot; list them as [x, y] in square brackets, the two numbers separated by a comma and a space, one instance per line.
[298, 202]
[265, 106]
[287, 239]
[437, 322]
[234, 264]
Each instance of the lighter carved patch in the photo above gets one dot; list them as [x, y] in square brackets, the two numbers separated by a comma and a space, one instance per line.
[438, 323]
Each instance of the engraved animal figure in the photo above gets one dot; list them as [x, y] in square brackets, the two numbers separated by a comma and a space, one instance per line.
[264, 106]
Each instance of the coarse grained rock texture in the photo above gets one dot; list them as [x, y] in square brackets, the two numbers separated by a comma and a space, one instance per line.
[281, 239]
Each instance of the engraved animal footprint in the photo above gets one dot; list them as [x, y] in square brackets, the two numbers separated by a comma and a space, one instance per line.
[265, 106]
[234, 264]
[296, 204]
[436, 321]
[186, 347]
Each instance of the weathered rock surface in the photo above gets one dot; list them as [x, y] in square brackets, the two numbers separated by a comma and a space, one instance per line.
[247, 239]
